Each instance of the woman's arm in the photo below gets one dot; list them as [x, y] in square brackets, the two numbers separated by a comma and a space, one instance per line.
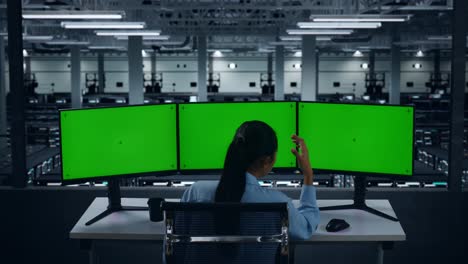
[304, 220]
[303, 159]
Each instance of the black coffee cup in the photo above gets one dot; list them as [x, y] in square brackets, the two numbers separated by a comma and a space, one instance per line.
[156, 214]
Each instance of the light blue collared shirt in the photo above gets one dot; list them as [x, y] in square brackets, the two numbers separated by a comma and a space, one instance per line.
[303, 220]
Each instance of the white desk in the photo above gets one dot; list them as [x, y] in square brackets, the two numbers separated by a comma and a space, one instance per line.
[135, 225]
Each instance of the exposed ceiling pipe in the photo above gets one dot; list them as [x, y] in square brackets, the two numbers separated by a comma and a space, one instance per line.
[47, 49]
[186, 46]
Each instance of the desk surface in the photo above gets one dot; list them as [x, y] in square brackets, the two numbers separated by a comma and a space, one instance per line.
[135, 225]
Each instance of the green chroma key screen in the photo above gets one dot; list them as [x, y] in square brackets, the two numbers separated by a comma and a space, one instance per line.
[207, 129]
[116, 141]
[358, 138]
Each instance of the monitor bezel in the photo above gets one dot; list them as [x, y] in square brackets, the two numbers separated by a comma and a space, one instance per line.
[212, 171]
[114, 176]
[363, 173]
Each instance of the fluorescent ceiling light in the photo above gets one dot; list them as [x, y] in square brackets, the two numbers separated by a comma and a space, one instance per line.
[37, 38]
[67, 42]
[73, 14]
[28, 6]
[129, 33]
[440, 38]
[161, 43]
[283, 43]
[31, 38]
[221, 50]
[145, 37]
[167, 47]
[319, 32]
[373, 47]
[339, 24]
[298, 54]
[298, 38]
[447, 38]
[360, 18]
[103, 25]
[417, 8]
[417, 42]
[107, 48]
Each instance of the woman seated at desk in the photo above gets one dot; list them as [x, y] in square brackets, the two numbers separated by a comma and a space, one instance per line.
[251, 156]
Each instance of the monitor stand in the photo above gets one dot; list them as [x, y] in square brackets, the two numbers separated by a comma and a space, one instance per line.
[359, 200]
[113, 193]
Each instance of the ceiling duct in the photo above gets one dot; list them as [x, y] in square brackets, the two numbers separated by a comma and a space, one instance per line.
[186, 46]
[39, 48]
[55, 3]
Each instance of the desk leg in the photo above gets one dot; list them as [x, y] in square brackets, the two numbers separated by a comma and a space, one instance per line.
[93, 258]
[380, 253]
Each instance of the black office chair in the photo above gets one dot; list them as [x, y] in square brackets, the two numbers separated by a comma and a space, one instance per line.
[207, 233]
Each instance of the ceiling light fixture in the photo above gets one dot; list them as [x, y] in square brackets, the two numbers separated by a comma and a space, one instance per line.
[360, 18]
[161, 43]
[298, 38]
[284, 43]
[298, 54]
[358, 53]
[120, 48]
[319, 32]
[420, 53]
[103, 25]
[221, 50]
[31, 38]
[217, 53]
[142, 33]
[67, 42]
[161, 37]
[73, 14]
[331, 25]
[440, 38]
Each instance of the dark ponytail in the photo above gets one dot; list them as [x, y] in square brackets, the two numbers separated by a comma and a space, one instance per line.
[253, 141]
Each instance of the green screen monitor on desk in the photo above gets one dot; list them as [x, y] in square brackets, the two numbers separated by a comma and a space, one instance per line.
[109, 143]
[206, 130]
[358, 139]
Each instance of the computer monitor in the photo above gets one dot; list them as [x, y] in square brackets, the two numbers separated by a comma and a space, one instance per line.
[117, 141]
[109, 143]
[207, 129]
[361, 140]
[358, 138]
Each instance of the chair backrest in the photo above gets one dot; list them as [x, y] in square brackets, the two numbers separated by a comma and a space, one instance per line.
[226, 232]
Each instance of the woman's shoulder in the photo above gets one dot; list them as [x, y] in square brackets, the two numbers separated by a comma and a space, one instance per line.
[200, 191]
[262, 194]
[204, 185]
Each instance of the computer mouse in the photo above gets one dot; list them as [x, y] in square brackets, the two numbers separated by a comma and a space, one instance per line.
[336, 225]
